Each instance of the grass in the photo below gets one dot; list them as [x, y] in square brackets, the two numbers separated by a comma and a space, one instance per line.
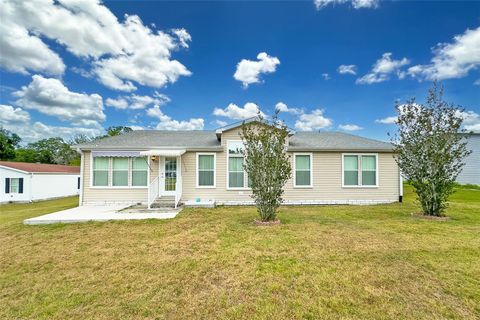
[349, 262]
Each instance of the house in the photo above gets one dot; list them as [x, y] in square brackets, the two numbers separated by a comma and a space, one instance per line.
[471, 171]
[205, 167]
[22, 181]
[201, 167]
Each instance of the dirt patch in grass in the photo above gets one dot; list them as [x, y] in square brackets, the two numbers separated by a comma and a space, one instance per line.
[420, 215]
[258, 222]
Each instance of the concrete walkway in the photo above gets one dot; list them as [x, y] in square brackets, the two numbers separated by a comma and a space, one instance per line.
[98, 213]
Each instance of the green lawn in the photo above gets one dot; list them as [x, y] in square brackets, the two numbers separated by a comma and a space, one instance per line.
[349, 262]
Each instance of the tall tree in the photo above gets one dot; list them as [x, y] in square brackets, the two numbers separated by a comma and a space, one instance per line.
[8, 142]
[53, 150]
[267, 163]
[431, 149]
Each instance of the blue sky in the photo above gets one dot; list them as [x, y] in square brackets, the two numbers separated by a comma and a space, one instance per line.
[71, 68]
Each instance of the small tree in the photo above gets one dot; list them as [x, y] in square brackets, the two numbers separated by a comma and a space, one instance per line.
[431, 149]
[266, 163]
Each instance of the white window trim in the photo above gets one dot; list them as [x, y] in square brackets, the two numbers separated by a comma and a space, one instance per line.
[245, 177]
[110, 176]
[359, 170]
[197, 169]
[295, 170]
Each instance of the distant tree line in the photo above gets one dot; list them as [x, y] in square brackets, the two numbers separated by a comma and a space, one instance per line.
[51, 150]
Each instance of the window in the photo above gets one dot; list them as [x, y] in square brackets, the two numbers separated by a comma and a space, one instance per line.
[139, 172]
[13, 185]
[236, 175]
[120, 172]
[360, 170]
[205, 170]
[100, 171]
[124, 172]
[303, 170]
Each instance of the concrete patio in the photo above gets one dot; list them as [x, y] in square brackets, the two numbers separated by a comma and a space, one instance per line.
[100, 213]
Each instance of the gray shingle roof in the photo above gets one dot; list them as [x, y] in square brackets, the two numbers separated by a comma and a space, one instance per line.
[150, 139]
[335, 141]
[197, 140]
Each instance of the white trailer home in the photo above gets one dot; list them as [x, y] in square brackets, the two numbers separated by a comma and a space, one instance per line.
[24, 182]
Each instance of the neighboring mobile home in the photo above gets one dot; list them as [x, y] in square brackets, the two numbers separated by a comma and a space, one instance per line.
[23, 182]
[471, 172]
[198, 167]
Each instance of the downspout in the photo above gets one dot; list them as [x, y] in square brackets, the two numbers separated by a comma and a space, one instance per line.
[400, 198]
[31, 187]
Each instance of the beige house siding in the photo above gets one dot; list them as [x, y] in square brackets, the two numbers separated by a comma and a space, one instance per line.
[326, 181]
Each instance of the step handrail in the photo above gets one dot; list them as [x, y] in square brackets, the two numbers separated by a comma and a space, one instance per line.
[152, 192]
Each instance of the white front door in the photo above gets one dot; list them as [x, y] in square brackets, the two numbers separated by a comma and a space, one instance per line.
[168, 175]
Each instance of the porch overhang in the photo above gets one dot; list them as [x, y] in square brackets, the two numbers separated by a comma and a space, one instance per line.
[163, 152]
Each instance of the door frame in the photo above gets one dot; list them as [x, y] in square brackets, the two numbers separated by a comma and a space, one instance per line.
[161, 177]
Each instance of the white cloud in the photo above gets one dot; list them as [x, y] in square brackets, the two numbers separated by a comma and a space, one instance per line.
[120, 53]
[313, 121]
[349, 127]
[282, 107]
[347, 69]
[17, 120]
[135, 102]
[120, 103]
[11, 115]
[326, 76]
[167, 123]
[471, 120]
[357, 4]
[477, 82]
[249, 71]
[51, 97]
[221, 123]
[387, 120]
[232, 111]
[382, 69]
[452, 60]
[21, 51]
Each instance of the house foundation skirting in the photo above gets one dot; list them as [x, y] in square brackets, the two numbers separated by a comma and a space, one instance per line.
[311, 202]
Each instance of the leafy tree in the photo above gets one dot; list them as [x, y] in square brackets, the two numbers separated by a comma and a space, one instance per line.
[117, 130]
[53, 150]
[431, 149]
[8, 142]
[26, 155]
[266, 163]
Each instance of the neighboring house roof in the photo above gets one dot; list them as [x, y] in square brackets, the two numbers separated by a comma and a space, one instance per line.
[335, 141]
[198, 140]
[40, 167]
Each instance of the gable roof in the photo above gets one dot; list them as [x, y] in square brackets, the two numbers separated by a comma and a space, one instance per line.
[40, 167]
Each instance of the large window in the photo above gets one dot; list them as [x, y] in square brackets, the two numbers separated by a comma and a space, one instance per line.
[205, 170]
[100, 171]
[120, 172]
[139, 172]
[360, 170]
[237, 177]
[303, 170]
